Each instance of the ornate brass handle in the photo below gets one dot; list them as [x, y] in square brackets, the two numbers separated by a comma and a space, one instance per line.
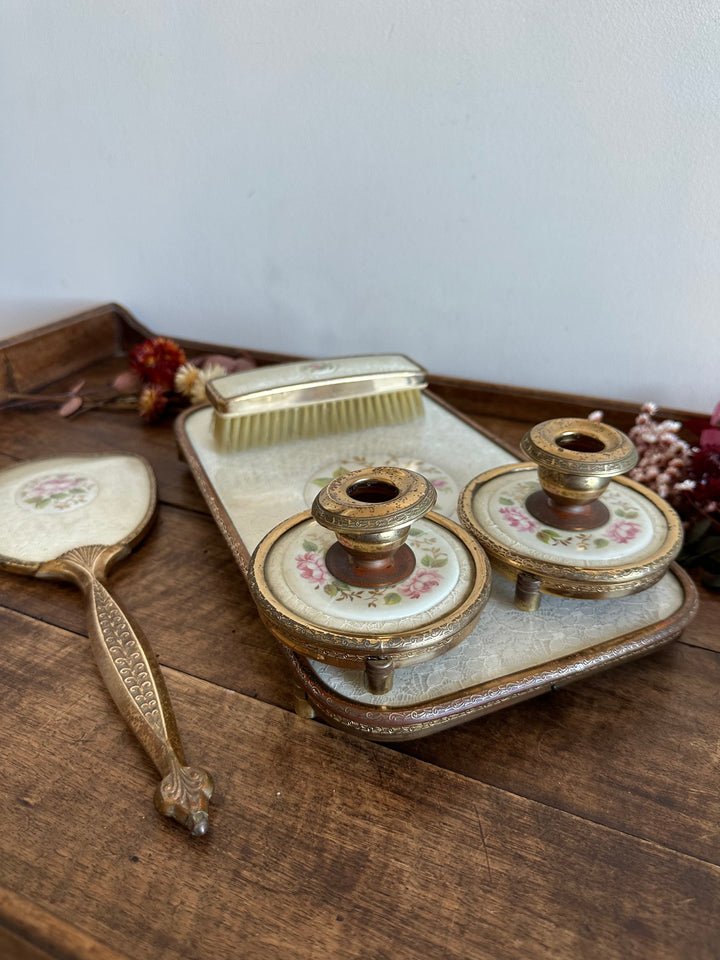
[132, 675]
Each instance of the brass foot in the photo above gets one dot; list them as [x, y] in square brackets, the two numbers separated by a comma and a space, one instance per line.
[379, 673]
[303, 707]
[527, 592]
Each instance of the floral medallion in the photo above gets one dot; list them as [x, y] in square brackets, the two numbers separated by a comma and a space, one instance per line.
[316, 368]
[57, 492]
[627, 523]
[300, 578]
[634, 524]
[447, 492]
[425, 580]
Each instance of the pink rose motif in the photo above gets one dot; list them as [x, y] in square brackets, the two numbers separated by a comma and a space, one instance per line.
[518, 518]
[61, 491]
[58, 484]
[422, 582]
[312, 567]
[623, 531]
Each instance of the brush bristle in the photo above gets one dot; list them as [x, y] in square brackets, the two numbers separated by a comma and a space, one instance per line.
[316, 420]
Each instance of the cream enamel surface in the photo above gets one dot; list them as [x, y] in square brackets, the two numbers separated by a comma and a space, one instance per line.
[366, 614]
[487, 506]
[125, 491]
[260, 488]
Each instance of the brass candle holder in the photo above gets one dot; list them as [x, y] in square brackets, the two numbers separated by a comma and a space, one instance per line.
[568, 523]
[369, 578]
[371, 516]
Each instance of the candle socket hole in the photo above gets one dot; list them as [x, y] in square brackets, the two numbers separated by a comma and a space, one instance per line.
[373, 491]
[580, 443]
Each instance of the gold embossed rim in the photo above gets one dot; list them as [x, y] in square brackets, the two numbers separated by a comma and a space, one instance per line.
[616, 453]
[616, 580]
[345, 649]
[338, 509]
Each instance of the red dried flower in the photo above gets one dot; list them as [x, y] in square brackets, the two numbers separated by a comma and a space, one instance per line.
[152, 402]
[705, 467]
[705, 472]
[155, 361]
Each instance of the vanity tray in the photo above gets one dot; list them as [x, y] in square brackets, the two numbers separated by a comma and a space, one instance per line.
[510, 655]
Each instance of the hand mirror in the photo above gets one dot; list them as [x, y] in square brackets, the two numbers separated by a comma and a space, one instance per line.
[72, 518]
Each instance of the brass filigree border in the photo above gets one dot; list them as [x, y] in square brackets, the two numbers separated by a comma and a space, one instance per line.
[618, 452]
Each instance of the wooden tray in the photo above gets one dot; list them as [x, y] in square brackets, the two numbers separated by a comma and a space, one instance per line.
[509, 656]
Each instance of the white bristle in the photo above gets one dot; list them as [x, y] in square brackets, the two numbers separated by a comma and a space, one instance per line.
[273, 405]
[312, 420]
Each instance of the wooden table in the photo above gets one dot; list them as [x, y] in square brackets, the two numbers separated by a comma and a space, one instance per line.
[583, 823]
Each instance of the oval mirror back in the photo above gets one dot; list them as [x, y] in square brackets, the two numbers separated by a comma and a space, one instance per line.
[58, 504]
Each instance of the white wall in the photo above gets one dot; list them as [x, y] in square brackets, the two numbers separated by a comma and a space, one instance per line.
[521, 191]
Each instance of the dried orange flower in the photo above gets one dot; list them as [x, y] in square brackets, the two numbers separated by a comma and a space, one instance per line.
[152, 402]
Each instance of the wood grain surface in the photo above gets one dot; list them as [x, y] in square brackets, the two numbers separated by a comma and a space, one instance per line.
[581, 824]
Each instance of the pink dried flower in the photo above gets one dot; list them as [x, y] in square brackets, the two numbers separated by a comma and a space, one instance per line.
[70, 406]
[663, 457]
[127, 382]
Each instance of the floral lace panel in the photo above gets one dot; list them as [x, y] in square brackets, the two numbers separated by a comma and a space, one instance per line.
[624, 529]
